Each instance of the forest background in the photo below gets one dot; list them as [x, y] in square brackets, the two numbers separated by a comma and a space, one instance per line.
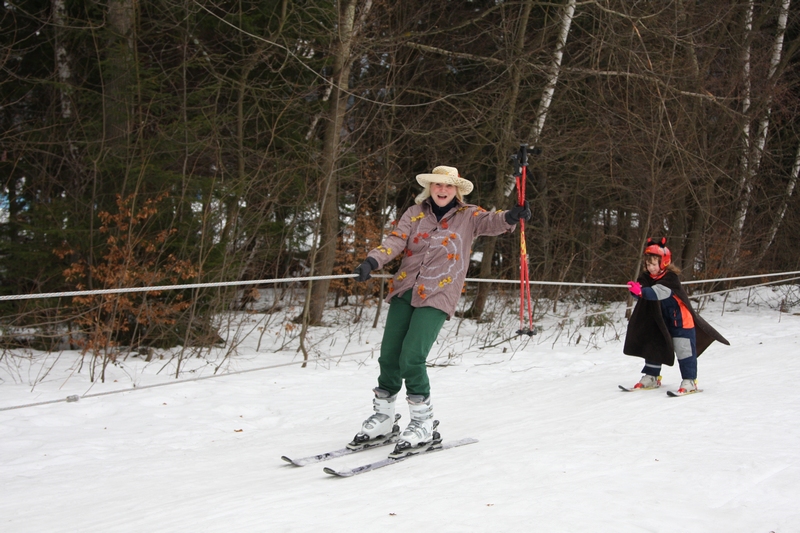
[147, 142]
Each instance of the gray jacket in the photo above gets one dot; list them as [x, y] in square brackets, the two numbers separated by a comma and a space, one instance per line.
[436, 254]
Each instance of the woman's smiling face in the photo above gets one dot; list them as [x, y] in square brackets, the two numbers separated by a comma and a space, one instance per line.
[442, 193]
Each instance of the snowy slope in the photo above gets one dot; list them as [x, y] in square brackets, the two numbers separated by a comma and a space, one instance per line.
[560, 448]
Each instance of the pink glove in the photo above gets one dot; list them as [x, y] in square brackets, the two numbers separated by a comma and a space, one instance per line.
[635, 287]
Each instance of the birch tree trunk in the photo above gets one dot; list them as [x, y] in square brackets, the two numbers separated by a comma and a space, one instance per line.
[752, 153]
[776, 223]
[542, 207]
[62, 59]
[555, 69]
[504, 184]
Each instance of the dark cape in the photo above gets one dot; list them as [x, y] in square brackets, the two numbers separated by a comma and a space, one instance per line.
[648, 336]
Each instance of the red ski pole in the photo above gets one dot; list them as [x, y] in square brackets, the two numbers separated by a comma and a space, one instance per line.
[520, 174]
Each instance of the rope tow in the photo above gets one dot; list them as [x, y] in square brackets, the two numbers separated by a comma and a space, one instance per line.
[155, 288]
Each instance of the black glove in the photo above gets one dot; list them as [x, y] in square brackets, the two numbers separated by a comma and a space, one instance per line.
[518, 212]
[363, 270]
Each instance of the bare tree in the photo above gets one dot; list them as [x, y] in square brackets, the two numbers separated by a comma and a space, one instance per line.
[120, 73]
[791, 183]
[753, 150]
[324, 252]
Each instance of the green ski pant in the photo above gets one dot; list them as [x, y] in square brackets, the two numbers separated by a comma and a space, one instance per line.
[407, 338]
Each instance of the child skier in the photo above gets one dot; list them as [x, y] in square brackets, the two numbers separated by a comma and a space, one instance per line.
[663, 324]
[435, 239]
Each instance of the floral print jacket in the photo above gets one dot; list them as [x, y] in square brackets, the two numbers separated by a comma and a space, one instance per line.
[436, 254]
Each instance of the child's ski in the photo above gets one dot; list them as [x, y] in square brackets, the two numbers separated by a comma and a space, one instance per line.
[634, 389]
[675, 394]
[312, 459]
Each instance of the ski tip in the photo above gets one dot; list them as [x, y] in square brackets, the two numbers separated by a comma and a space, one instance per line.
[291, 461]
[331, 471]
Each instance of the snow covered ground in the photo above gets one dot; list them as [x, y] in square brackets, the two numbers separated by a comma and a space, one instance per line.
[561, 448]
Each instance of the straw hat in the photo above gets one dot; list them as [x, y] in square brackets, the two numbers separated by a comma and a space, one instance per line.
[442, 174]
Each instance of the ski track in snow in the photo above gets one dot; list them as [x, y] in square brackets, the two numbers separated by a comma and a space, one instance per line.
[560, 448]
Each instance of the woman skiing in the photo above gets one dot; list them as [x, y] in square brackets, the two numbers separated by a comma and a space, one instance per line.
[663, 324]
[435, 239]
